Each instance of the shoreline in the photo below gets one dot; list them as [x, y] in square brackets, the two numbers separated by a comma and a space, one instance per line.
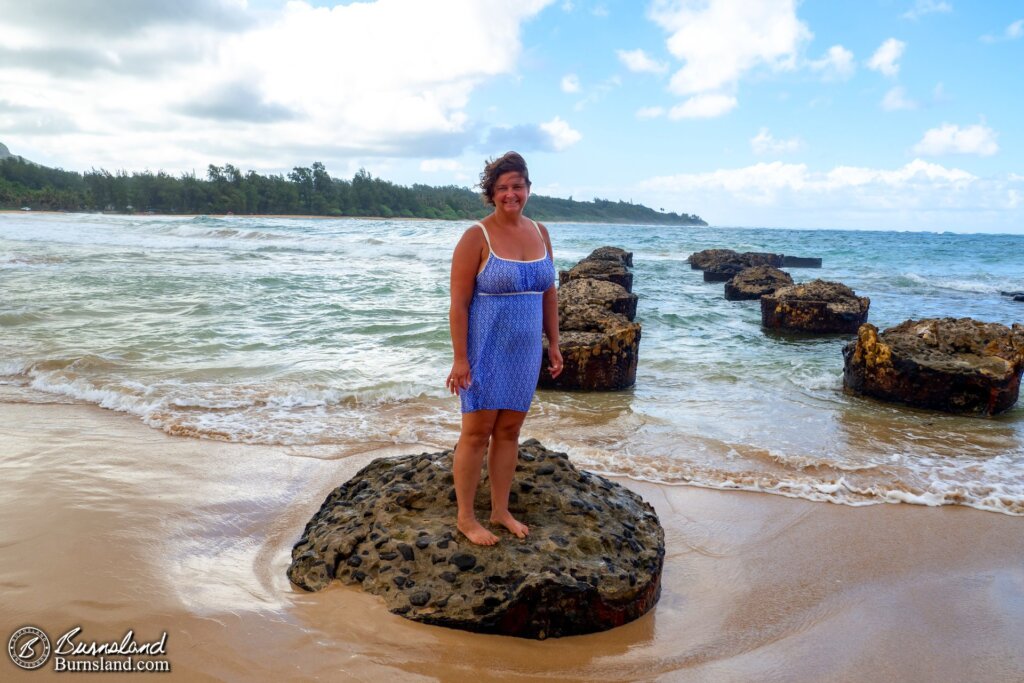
[319, 217]
[113, 525]
[213, 215]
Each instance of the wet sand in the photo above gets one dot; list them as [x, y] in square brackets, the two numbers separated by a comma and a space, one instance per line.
[110, 525]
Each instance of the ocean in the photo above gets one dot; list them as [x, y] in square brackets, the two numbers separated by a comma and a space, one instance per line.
[329, 337]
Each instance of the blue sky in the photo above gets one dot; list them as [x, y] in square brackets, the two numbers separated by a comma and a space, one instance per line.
[893, 114]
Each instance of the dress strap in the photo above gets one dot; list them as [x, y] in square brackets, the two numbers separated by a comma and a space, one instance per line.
[541, 236]
[486, 236]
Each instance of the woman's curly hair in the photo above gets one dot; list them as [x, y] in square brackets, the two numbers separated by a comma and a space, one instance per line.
[507, 162]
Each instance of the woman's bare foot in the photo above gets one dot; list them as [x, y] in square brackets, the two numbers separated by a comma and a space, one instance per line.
[476, 533]
[511, 523]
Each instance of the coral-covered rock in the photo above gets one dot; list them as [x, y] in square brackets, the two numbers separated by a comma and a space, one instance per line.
[761, 258]
[801, 262]
[592, 561]
[602, 358]
[599, 342]
[612, 254]
[601, 293]
[609, 271]
[957, 365]
[700, 260]
[710, 259]
[815, 306]
[753, 283]
[723, 271]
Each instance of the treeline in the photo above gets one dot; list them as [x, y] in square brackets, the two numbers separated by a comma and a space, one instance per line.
[312, 190]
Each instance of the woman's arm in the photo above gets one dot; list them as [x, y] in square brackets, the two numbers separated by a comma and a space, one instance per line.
[551, 317]
[465, 264]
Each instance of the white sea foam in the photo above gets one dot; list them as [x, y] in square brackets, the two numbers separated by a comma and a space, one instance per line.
[955, 284]
[12, 367]
[286, 413]
[817, 380]
[996, 484]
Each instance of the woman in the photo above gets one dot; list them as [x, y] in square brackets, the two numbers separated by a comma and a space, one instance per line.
[502, 297]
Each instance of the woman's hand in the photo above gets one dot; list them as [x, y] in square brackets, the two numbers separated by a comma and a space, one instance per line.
[555, 360]
[459, 377]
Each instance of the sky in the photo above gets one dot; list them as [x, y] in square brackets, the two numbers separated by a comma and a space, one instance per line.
[876, 114]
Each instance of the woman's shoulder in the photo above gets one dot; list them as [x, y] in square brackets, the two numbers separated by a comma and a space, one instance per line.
[473, 239]
[474, 232]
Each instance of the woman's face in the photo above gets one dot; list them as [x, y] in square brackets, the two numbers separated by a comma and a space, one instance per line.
[511, 191]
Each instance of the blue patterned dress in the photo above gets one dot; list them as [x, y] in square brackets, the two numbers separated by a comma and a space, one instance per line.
[506, 321]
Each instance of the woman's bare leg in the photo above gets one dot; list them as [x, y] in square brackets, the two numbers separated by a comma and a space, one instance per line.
[501, 468]
[468, 459]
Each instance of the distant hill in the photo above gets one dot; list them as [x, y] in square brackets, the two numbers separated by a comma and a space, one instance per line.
[305, 190]
[5, 153]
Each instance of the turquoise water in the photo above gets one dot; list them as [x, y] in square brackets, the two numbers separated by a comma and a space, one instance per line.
[328, 337]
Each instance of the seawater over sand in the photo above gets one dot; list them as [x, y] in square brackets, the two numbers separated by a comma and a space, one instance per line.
[110, 525]
[330, 337]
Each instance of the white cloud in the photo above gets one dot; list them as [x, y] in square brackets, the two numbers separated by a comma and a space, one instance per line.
[886, 57]
[762, 181]
[765, 143]
[650, 112]
[598, 92]
[721, 40]
[918, 195]
[758, 183]
[570, 83]
[562, 136]
[949, 138]
[555, 135]
[436, 165]
[836, 65]
[923, 7]
[896, 99]
[703, 107]
[318, 82]
[638, 61]
[1011, 32]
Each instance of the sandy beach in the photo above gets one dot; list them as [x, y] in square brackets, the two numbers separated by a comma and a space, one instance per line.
[110, 525]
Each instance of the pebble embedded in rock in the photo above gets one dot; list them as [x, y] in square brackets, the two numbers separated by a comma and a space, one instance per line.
[463, 561]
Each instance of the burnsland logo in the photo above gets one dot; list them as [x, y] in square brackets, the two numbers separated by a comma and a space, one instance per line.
[29, 648]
